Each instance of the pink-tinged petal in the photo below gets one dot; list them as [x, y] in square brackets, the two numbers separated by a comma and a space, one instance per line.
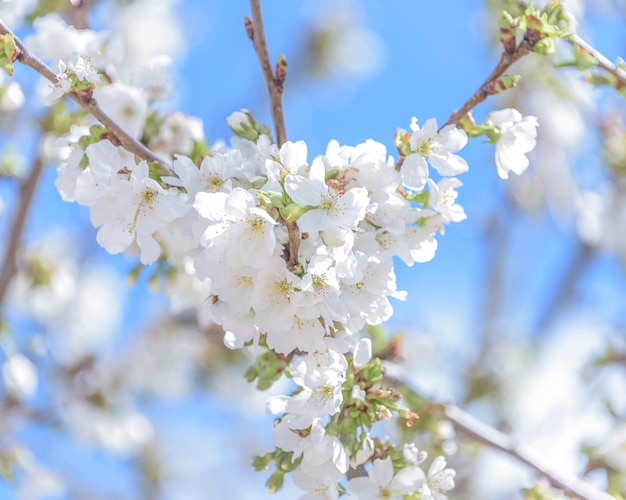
[414, 172]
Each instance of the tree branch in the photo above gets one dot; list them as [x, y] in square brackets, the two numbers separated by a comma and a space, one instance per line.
[486, 434]
[27, 192]
[129, 143]
[603, 62]
[274, 84]
[476, 429]
[506, 61]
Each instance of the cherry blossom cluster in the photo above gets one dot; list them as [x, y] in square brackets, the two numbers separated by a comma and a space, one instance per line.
[295, 256]
[291, 255]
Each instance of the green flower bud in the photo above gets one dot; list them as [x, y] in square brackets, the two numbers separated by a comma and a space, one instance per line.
[507, 32]
[275, 482]
[544, 46]
[281, 70]
[502, 84]
[292, 212]
[402, 141]
[244, 124]
[261, 462]
[8, 53]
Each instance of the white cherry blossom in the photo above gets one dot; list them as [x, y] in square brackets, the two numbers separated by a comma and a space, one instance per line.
[382, 483]
[517, 136]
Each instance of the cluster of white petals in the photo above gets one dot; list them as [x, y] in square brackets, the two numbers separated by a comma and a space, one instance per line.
[284, 252]
[294, 254]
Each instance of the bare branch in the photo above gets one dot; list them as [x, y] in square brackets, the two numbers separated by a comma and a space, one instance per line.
[476, 429]
[27, 192]
[486, 434]
[89, 104]
[506, 61]
[603, 62]
[274, 84]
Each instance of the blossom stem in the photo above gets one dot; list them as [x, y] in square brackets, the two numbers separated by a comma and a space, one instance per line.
[294, 244]
[273, 83]
[486, 434]
[506, 61]
[88, 103]
[27, 192]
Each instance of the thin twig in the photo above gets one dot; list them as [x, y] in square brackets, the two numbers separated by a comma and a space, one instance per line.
[274, 85]
[27, 192]
[603, 62]
[89, 104]
[506, 61]
[486, 434]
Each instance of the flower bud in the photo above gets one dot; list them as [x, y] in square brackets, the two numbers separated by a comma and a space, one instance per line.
[507, 32]
[292, 212]
[365, 451]
[244, 124]
[8, 53]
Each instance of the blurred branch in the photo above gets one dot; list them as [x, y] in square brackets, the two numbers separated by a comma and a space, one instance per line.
[274, 82]
[490, 436]
[77, 13]
[569, 483]
[27, 192]
[496, 239]
[88, 103]
[506, 61]
[603, 62]
[566, 286]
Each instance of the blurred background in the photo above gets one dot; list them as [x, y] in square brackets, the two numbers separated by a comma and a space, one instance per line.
[520, 319]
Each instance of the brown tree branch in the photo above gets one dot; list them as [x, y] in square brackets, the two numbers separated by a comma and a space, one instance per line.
[129, 143]
[569, 483]
[274, 83]
[506, 61]
[27, 192]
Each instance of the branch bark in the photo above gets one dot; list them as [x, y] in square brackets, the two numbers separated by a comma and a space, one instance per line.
[506, 61]
[27, 192]
[471, 426]
[603, 62]
[273, 83]
[128, 142]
